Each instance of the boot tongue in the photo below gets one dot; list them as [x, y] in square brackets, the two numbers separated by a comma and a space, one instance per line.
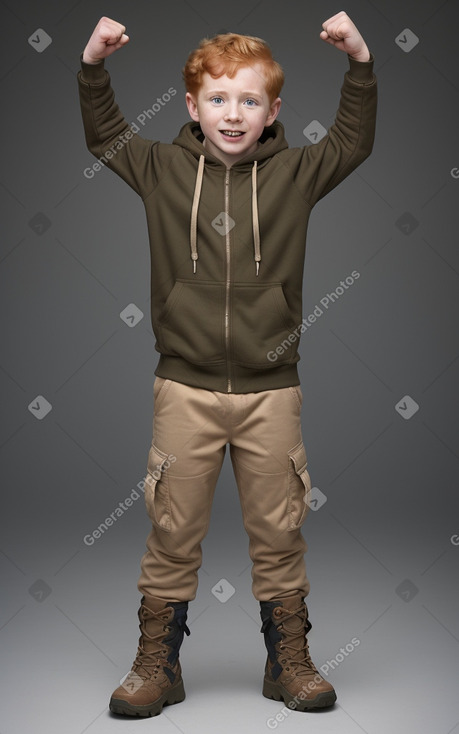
[154, 603]
[153, 623]
[292, 604]
[294, 626]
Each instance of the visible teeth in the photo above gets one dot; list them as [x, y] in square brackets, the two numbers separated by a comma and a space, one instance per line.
[232, 133]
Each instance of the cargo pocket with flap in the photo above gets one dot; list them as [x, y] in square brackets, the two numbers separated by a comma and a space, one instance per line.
[157, 497]
[299, 487]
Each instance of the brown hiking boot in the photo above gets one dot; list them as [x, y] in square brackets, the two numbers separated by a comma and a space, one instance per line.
[290, 674]
[156, 677]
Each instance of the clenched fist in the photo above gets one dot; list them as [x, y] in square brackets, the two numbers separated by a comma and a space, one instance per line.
[340, 31]
[108, 36]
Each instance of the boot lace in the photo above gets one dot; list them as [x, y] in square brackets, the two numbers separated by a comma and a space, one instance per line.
[297, 657]
[148, 663]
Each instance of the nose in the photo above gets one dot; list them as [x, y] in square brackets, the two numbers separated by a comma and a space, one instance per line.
[233, 113]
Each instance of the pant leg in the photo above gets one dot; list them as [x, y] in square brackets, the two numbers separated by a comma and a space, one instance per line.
[269, 462]
[184, 462]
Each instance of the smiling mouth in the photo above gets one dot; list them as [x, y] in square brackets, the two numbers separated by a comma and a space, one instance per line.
[232, 133]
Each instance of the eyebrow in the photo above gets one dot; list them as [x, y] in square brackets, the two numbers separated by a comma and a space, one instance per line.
[219, 91]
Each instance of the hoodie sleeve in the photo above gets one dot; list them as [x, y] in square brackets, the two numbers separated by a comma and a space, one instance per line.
[109, 137]
[349, 141]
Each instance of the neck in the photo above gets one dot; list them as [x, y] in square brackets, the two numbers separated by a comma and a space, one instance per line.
[228, 160]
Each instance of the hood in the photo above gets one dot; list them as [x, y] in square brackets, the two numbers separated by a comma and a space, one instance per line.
[271, 141]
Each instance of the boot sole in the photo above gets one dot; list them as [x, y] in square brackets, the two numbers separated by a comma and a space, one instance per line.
[173, 695]
[277, 692]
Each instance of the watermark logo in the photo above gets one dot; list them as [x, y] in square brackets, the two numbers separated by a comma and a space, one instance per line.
[40, 407]
[40, 590]
[223, 590]
[406, 590]
[39, 40]
[407, 40]
[39, 223]
[223, 223]
[131, 682]
[128, 134]
[407, 407]
[131, 315]
[325, 303]
[406, 223]
[316, 499]
[90, 538]
[344, 652]
[315, 131]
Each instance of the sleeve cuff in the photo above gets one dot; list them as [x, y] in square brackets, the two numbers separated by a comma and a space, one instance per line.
[92, 73]
[361, 71]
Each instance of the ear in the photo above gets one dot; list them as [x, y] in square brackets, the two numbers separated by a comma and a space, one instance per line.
[192, 106]
[273, 111]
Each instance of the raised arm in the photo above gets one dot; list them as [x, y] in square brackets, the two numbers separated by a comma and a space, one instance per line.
[349, 141]
[109, 137]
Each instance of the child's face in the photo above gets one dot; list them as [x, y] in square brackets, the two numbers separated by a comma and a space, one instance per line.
[239, 104]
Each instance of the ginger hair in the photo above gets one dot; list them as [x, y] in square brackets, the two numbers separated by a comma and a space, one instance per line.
[225, 53]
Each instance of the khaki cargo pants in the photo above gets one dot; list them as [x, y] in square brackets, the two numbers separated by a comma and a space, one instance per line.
[191, 427]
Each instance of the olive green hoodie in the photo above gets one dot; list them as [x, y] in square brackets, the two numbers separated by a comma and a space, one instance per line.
[228, 244]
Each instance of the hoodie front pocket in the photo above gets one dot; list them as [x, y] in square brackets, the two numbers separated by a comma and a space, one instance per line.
[190, 324]
[262, 326]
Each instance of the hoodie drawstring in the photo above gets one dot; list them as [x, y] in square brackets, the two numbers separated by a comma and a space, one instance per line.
[194, 215]
[194, 212]
[255, 223]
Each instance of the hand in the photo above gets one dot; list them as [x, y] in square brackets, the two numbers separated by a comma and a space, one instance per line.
[108, 36]
[340, 31]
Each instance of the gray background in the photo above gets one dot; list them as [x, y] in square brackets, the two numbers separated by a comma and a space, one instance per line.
[383, 553]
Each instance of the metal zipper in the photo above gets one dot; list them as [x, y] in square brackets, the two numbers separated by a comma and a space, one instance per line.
[227, 282]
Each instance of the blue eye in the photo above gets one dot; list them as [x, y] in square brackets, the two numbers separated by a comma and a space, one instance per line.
[218, 100]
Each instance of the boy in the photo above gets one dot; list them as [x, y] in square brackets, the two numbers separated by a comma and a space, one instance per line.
[227, 206]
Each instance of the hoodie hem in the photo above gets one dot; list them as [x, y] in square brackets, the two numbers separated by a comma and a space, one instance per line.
[215, 377]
